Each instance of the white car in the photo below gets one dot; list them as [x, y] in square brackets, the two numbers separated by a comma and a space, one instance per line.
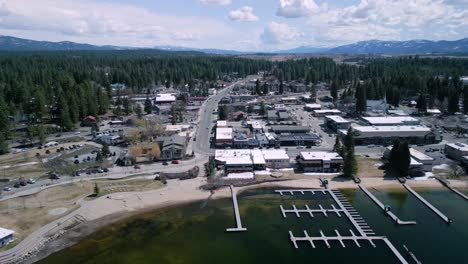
[31, 181]
[7, 189]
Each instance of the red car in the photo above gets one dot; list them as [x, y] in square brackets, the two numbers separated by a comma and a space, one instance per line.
[175, 162]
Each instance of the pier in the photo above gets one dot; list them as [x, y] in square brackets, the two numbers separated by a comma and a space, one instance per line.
[239, 227]
[301, 191]
[381, 205]
[311, 212]
[435, 210]
[366, 234]
[447, 184]
[338, 237]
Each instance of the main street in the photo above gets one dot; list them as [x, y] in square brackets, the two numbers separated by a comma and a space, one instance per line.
[201, 141]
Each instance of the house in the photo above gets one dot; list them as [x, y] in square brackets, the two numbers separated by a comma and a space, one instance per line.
[277, 116]
[173, 147]
[110, 139]
[166, 98]
[88, 121]
[6, 236]
[118, 86]
[125, 159]
[320, 161]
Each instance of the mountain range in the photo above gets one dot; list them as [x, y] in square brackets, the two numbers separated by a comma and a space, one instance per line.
[8, 43]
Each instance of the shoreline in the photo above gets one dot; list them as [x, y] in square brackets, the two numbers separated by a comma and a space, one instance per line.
[117, 207]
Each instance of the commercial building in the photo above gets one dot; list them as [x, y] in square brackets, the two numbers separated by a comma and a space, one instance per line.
[166, 98]
[110, 139]
[390, 121]
[173, 147]
[6, 236]
[312, 107]
[224, 136]
[456, 151]
[385, 135]
[290, 129]
[319, 161]
[307, 140]
[419, 160]
[335, 123]
[245, 160]
[325, 112]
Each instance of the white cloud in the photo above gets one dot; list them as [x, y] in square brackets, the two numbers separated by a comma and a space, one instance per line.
[278, 33]
[103, 23]
[216, 2]
[243, 14]
[297, 8]
[390, 20]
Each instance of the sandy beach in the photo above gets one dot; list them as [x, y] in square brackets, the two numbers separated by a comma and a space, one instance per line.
[96, 214]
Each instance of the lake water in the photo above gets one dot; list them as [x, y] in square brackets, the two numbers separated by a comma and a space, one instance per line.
[195, 233]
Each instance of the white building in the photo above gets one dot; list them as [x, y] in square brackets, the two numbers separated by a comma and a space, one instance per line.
[221, 123]
[385, 135]
[336, 122]
[176, 128]
[6, 236]
[224, 136]
[110, 139]
[391, 121]
[165, 98]
[325, 112]
[320, 161]
[312, 107]
[433, 111]
[241, 160]
[276, 158]
[419, 160]
[456, 151]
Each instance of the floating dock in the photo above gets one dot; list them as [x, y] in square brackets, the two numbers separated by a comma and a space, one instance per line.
[381, 205]
[366, 234]
[447, 184]
[435, 210]
[239, 227]
[311, 212]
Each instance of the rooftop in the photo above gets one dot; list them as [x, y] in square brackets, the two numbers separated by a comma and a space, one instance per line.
[389, 120]
[275, 154]
[384, 129]
[327, 111]
[459, 146]
[337, 119]
[5, 232]
[224, 133]
[320, 155]
[166, 97]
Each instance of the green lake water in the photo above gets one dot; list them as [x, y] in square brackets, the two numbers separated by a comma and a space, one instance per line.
[195, 233]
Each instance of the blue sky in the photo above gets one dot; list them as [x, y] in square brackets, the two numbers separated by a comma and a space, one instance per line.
[254, 25]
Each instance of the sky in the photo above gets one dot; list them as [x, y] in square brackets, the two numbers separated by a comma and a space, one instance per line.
[247, 25]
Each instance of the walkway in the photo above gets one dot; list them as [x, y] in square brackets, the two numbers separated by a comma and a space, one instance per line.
[388, 212]
[435, 210]
[236, 213]
[446, 183]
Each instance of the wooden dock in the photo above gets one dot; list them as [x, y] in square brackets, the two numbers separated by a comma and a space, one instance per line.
[301, 191]
[446, 183]
[381, 205]
[435, 210]
[338, 237]
[311, 212]
[239, 227]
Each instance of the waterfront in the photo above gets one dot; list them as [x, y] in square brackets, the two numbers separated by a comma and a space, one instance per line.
[194, 233]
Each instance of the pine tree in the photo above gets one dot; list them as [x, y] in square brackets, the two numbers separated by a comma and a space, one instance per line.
[361, 99]
[265, 89]
[3, 145]
[281, 87]
[148, 106]
[350, 166]
[258, 90]
[64, 113]
[334, 90]
[421, 103]
[337, 147]
[126, 105]
[465, 99]
[40, 109]
[262, 110]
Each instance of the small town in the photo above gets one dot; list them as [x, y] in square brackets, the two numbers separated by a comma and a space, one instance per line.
[127, 150]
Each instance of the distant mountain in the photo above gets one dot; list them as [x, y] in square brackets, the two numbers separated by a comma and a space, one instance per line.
[13, 43]
[208, 51]
[303, 50]
[403, 47]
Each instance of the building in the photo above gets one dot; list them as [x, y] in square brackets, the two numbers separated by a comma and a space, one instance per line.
[166, 98]
[277, 116]
[290, 129]
[319, 161]
[325, 112]
[385, 135]
[221, 123]
[419, 160]
[289, 100]
[456, 151]
[176, 129]
[396, 112]
[118, 86]
[312, 107]
[307, 140]
[335, 123]
[110, 139]
[377, 106]
[173, 147]
[256, 126]
[88, 121]
[6, 236]
[435, 112]
[224, 137]
[390, 121]
[246, 160]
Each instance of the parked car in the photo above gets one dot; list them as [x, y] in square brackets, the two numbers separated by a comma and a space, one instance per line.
[31, 181]
[17, 185]
[175, 162]
[164, 163]
[7, 189]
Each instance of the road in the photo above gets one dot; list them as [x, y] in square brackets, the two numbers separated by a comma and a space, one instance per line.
[206, 117]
